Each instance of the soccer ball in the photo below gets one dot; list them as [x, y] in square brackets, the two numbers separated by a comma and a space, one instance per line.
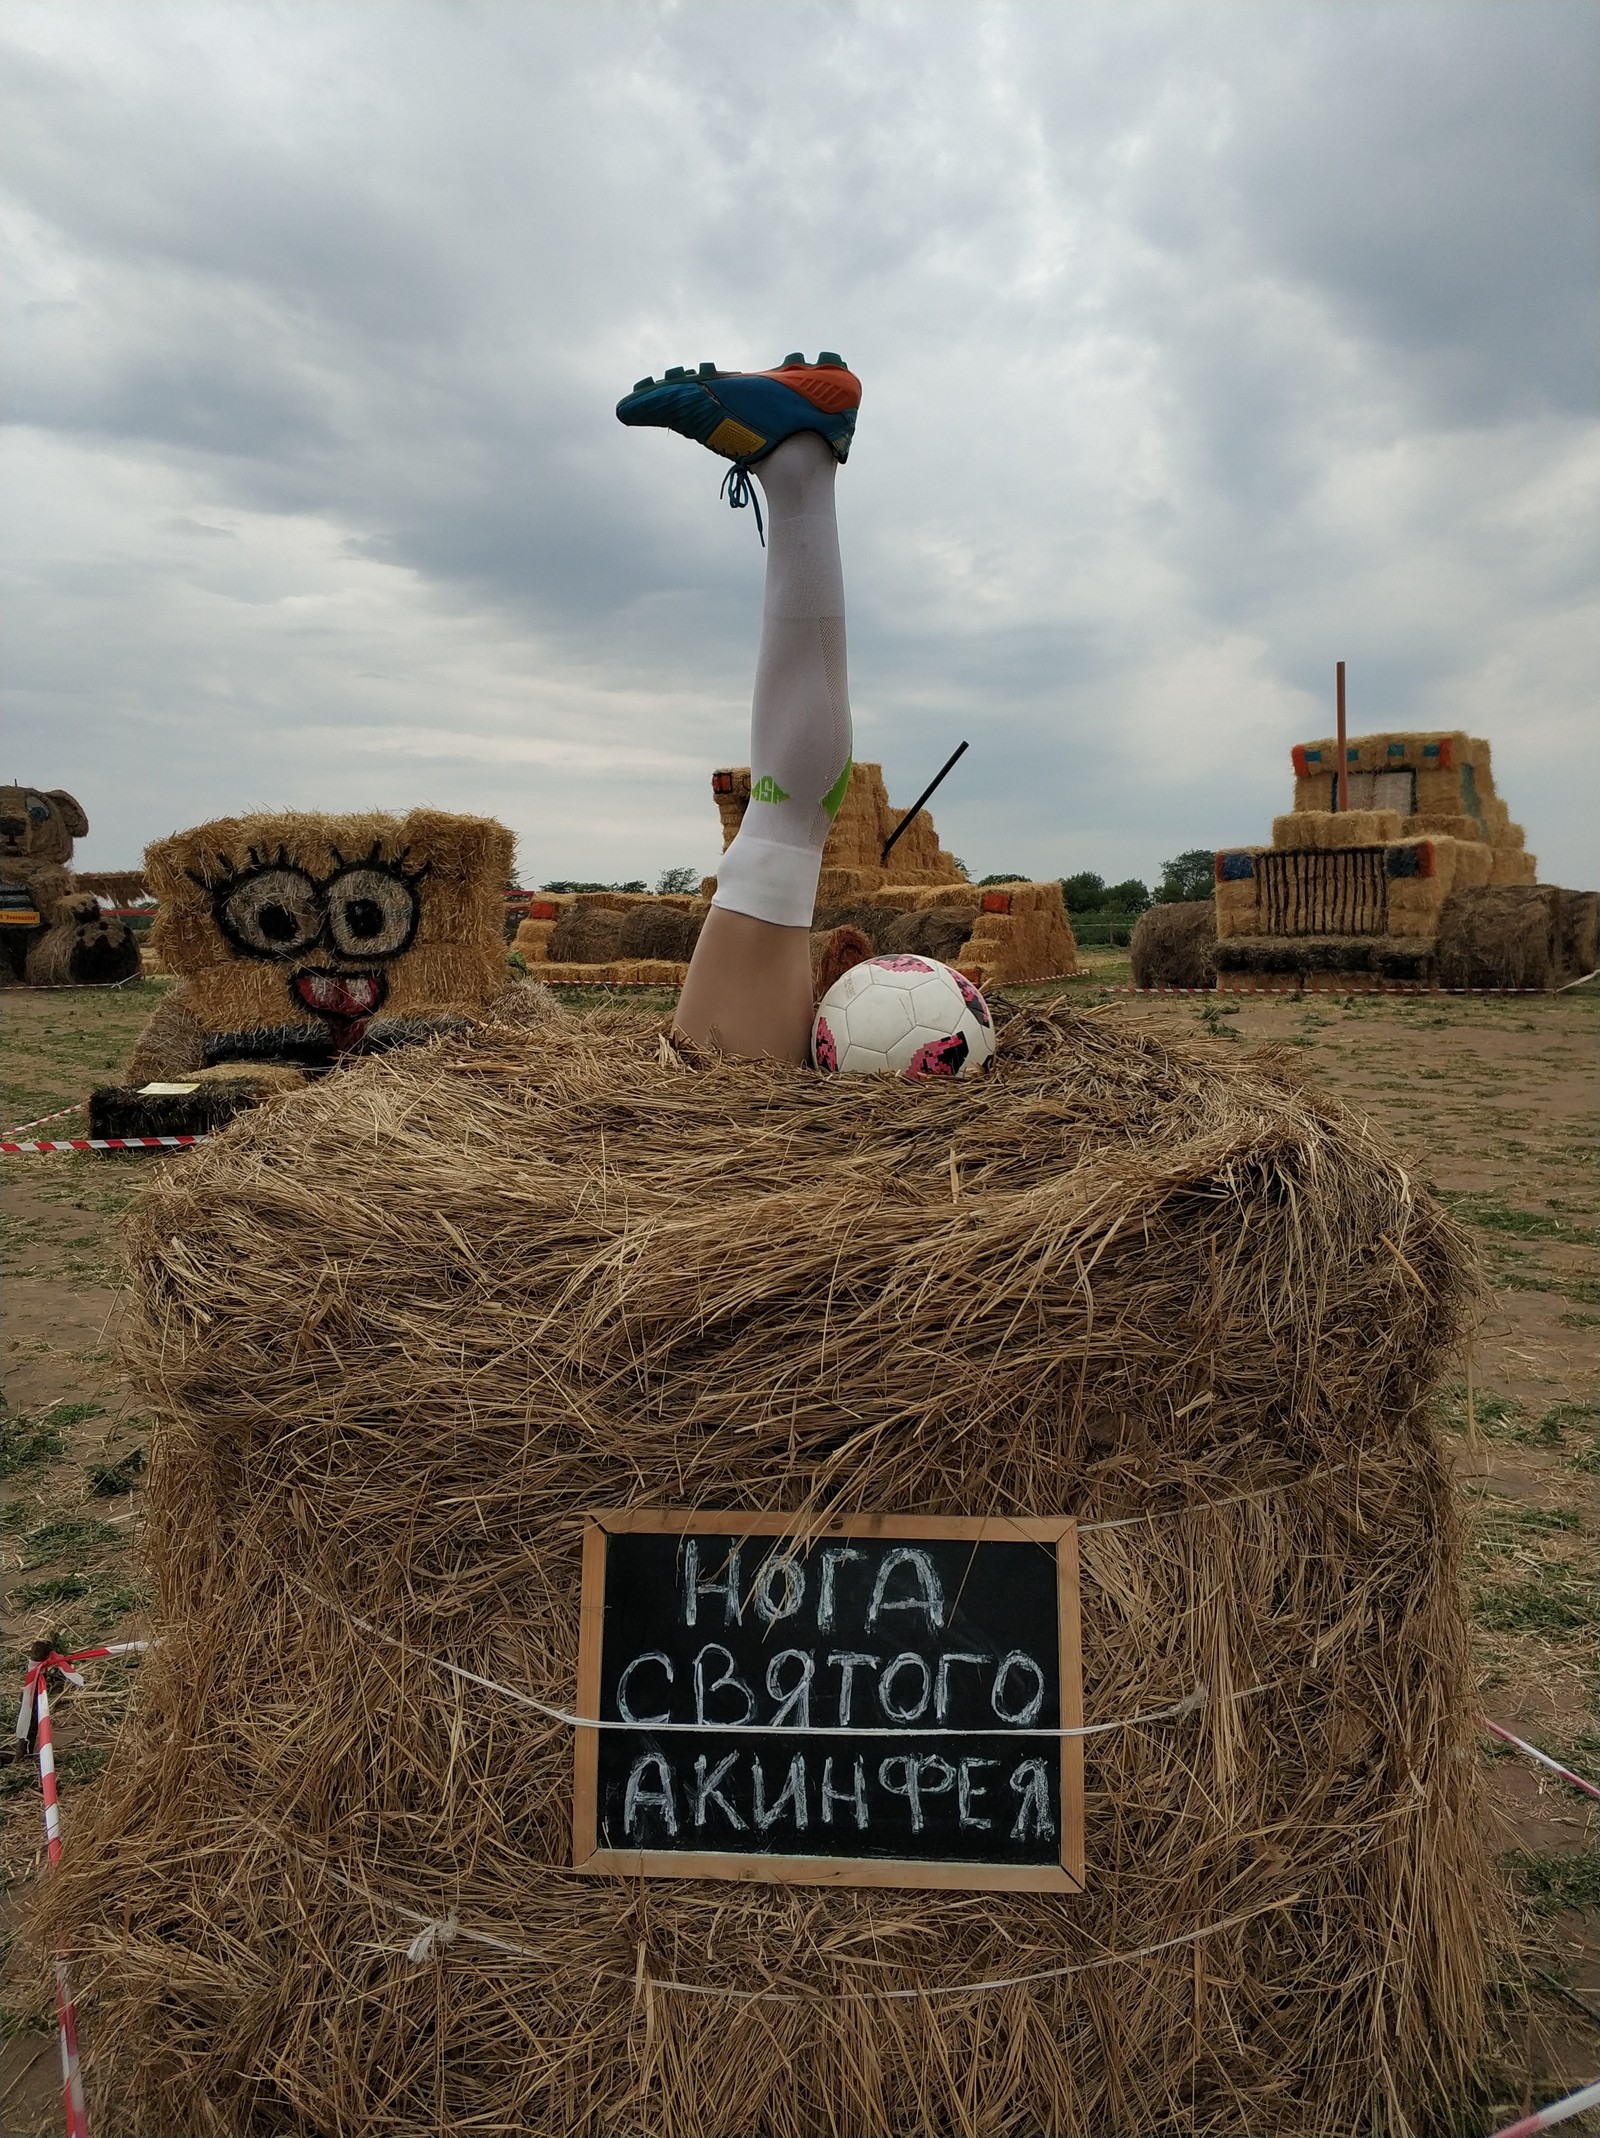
[909, 1014]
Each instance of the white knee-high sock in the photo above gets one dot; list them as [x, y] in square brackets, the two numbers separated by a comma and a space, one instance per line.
[800, 716]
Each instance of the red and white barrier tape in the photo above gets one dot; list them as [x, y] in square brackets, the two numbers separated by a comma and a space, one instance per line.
[34, 1716]
[1554, 2112]
[23, 1127]
[1389, 987]
[106, 1143]
[1495, 1729]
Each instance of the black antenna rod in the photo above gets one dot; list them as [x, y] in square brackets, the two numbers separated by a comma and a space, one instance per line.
[917, 804]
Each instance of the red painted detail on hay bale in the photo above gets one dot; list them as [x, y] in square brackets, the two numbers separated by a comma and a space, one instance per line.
[974, 973]
[997, 901]
[1446, 755]
[542, 909]
[722, 783]
[1301, 768]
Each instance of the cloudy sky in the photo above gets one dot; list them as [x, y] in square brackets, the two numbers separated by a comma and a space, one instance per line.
[1203, 344]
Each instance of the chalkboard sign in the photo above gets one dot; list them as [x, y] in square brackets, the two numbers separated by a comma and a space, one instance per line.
[875, 1700]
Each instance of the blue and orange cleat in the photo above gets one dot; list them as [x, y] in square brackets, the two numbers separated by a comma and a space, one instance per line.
[745, 415]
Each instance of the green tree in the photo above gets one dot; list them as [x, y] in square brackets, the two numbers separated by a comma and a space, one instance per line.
[1189, 875]
[1085, 892]
[1130, 896]
[1005, 876]
[676, 881]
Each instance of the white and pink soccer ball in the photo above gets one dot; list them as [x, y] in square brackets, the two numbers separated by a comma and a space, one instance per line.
[908, 1014]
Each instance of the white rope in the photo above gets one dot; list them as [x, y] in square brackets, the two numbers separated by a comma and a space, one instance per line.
[1190, 1704]
[438, 1931]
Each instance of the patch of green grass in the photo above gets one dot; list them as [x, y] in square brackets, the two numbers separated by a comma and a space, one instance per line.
[114, 1604]
[1494, 1215]
[1553, 1879]
[1492, 1412]
[1211, 1017]
[1580, 1321]
[69, 1533]
[60, 1588]
[75, 1413]
[1507, 1519]
[87, 1764]
[1553, 1601]
[107, 1480]
[24, 1444]
[1553, 1425]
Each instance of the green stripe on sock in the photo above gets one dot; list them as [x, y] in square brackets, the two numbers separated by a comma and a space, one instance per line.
[835, 794]
[766, 789]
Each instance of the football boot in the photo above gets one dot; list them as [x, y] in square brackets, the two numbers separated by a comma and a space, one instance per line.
[745, 415]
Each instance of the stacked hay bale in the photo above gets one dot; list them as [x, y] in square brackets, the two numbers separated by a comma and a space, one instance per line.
[1439, 782]
[1361, 894]
[1014, 934]
[610, 938]
[490, 1287]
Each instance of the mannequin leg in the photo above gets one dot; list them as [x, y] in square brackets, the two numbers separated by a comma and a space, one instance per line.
[748, 989]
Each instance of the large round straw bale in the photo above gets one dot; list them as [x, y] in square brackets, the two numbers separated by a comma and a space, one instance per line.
[483, 1288]
[1175, 945]
[932, 932]
[586, 935]
[660, 932]
[1499, 935]
[873, 921]
[1578, 934]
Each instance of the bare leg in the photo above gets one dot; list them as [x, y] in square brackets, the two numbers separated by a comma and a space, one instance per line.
[748, 989]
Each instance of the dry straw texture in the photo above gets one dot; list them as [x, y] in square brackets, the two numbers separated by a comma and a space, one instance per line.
[400, 1333]
[1501, 937]
[586, 935]
[1176, 945]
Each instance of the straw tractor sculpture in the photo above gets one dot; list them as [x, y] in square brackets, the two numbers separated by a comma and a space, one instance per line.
[52, 932]
[917, 899]
[1422, 880]
[301, 942]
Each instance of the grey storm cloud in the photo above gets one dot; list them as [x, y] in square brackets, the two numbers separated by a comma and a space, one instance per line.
[1202, 344]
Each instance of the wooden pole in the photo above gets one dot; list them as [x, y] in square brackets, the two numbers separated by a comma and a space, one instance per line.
[1342, 785]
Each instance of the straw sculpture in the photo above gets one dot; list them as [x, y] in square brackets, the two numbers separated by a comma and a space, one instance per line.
[52, 931]
[488, 1285]
[1175, 945]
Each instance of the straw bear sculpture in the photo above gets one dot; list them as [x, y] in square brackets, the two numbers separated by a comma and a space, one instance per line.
[51, 933]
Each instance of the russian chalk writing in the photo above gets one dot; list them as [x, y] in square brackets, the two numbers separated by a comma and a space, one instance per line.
[857, 1698]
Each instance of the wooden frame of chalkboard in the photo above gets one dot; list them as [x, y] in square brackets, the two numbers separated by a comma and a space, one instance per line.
[1048, 1805]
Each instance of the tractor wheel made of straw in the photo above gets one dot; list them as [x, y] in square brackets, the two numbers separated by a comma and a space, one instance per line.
[483, 1288]
[1176, 945]
[586, 935]
[1498, 936]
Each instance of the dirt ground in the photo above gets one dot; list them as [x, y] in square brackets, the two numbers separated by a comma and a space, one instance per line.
[1494, 1100]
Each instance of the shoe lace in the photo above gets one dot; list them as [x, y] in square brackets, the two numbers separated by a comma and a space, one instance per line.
[736, 489]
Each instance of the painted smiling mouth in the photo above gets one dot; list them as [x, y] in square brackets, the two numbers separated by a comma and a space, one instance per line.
[339, 996]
